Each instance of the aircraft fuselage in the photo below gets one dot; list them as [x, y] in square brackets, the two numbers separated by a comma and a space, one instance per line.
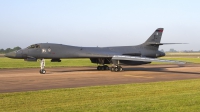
[50, 51]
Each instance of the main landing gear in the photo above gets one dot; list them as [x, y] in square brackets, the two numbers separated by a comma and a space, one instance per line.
[104, 67]
[42, 65]
[116, 68]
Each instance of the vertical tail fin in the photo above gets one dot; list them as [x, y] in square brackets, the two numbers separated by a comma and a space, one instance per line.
[153, 41]
[156, 36]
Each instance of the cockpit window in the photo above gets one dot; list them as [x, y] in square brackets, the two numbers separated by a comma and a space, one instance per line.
[33, 46]
[37, 46]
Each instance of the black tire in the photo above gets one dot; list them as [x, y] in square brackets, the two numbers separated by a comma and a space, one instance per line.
[42, 71]
[98, 67]
[116, 69]
[112, 69]
[120, 69]
[106, 67]
[101, 67]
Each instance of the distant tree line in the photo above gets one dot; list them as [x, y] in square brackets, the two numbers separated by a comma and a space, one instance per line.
[3, 51]
[183, 51]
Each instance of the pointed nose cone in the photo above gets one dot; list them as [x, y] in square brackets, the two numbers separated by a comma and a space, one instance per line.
[11, 54]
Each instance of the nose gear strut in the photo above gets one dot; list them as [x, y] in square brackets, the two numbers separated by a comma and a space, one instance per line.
[42, 65]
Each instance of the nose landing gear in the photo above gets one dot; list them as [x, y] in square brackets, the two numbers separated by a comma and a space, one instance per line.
[42, 65]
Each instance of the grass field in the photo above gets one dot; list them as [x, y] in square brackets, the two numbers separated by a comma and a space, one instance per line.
[20, 63]
[186, 59]
[172, 96]
[192, 55]
[182, 54]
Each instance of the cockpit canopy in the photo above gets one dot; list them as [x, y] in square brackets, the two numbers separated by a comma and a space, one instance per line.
[33, 46]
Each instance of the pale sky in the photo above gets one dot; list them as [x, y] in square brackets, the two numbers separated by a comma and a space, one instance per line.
[99, 22]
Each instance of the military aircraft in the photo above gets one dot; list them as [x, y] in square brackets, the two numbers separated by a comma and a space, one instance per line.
[144, 53]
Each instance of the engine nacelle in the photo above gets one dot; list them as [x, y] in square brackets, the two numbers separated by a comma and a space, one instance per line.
[55, 60]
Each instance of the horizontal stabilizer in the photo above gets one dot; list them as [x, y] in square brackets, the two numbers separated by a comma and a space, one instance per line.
[153, 43]
[144, 59]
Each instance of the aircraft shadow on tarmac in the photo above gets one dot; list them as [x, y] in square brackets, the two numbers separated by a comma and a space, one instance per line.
[77, 70]
[128, 69]
[160, 69]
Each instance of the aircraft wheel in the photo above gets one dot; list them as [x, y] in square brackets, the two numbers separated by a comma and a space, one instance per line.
[112, 69]
[43, 71]
[106, 67]
[98, 68]
[120, 69]
[101, 68]
[116, 69]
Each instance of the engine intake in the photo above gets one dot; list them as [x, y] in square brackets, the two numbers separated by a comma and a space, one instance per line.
[55, 60]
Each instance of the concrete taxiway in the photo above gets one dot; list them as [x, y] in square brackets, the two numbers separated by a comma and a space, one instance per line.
[29, 79]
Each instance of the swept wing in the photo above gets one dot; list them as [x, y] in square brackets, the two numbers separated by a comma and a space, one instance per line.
[144, 59]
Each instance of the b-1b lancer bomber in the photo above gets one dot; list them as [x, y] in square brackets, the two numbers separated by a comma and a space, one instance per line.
[144, 53]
